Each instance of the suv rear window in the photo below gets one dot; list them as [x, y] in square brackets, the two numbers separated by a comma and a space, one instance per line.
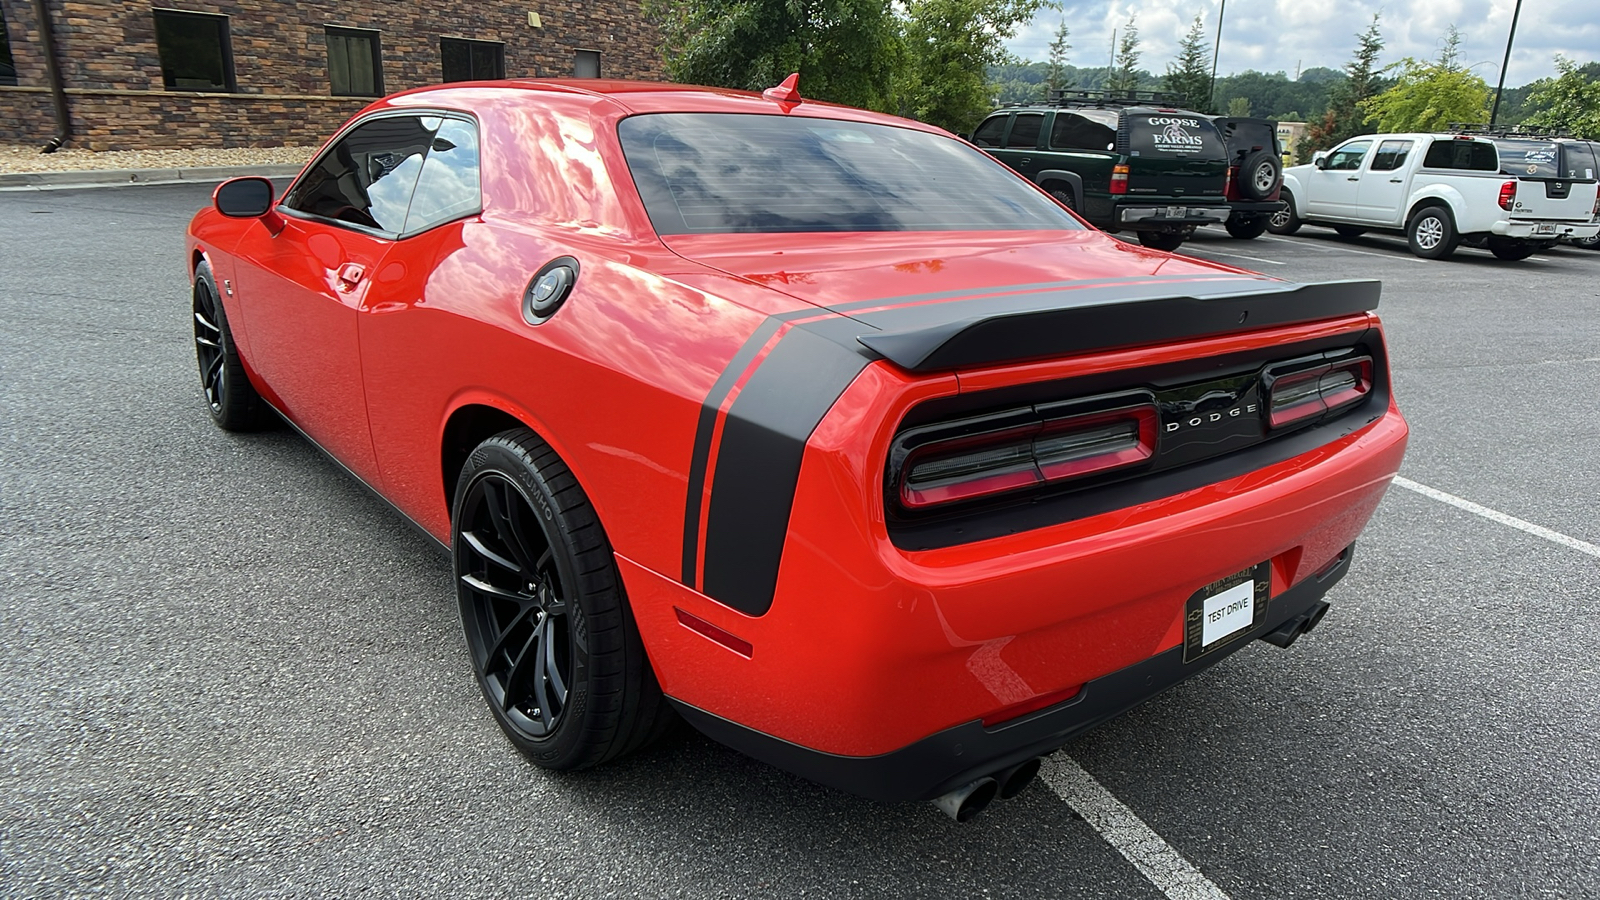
[1173, 134]
[1246, 136]
[710, 173]
[1477, 156]
[1530, 159]
[1578, 162]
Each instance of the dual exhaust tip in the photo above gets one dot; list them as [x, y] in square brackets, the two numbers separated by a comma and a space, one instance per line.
[965, 802]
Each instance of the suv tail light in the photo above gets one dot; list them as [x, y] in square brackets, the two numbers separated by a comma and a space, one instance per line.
[1596, 213]
[1303, 389]
[1119, 179]
[1229, 188]
[1002, 452]
[1508, 194]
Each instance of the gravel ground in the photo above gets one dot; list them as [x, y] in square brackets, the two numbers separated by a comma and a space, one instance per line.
[18, 159]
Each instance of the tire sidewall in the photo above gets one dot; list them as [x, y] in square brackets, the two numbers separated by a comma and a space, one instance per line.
[1447, 243]
[1252, 165]
[1291, 222]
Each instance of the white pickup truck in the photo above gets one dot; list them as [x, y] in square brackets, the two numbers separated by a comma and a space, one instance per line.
[1443, 191]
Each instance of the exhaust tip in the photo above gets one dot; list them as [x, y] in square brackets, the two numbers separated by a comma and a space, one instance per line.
[1017, 778]
[965, 802]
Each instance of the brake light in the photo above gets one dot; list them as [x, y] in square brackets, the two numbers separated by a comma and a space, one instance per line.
[1304, 389]
[1004, 452]
[1596, 213]
[1119, 178]
[1228, 186]
[1508, 194]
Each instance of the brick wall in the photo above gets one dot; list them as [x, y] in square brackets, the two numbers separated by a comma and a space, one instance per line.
[112, 69]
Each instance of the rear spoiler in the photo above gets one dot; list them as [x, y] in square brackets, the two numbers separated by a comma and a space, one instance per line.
[1074, 320]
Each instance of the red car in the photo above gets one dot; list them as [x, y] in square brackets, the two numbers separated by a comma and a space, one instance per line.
[818, 428]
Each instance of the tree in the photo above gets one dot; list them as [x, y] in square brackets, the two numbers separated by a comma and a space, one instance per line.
[1239, 107]
[846, 51]
[1569, 102]
[949, 46]
[1055, 76]
[1429, 96]
[1189, 76]
[1125, 65]
[1342, 119]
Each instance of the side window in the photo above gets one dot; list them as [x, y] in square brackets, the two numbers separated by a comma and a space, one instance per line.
[1025, 131]
[1480, 156]
[1074, 132]
[990, 132]
[367, 177]
[448, 187]
[1349, 156]
[461, 59]
[1391, 155]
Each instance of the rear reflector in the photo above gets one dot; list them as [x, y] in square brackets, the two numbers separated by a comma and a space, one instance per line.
[707, 630]
[1304, 389]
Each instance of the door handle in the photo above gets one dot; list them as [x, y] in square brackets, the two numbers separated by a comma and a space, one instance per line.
[1397, 181]
[350, 275]
[1353, 178]
[1025, 160]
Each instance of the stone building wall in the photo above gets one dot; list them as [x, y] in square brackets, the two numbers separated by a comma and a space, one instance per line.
[112, 70]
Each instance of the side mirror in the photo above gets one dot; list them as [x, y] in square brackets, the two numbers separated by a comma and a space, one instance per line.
[248, 198]
[1320, 159]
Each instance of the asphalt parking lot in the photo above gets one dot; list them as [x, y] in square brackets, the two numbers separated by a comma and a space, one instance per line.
[229, 671]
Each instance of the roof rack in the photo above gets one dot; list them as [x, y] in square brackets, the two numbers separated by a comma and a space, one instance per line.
[1481, 129]
[1062, 97]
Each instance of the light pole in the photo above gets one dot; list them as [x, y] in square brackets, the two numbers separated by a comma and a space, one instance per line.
[1493, 113]
[1211, 93]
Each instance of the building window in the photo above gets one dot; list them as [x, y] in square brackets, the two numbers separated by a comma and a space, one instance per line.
[466, 60]
[354, 67]
[8, 68]
[587, 64]
[195, 52]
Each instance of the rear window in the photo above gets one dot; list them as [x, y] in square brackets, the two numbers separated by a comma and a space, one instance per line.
[711, 173]
[1173, 134]
[1578, 162]
[1530, 159]
[1245, 137]
[1477, 156]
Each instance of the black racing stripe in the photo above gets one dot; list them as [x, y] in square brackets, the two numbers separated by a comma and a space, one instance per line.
[758, 461]
[702, 437]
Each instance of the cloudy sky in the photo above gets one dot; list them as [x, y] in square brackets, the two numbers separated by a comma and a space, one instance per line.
[1278, 35]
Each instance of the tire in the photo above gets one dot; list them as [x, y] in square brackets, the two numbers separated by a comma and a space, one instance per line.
[1512, 249]
[1591, 243]
[1260, 174]
[1284, 221]
[553, 644]
[1162, 240]
[1065, 197]
[1246, 227]
[1432, 233]
[230, 398]
[1349, 231]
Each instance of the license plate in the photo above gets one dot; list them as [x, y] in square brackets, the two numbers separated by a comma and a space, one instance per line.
[1225, 611]
[1544, 228]
[1177, 212]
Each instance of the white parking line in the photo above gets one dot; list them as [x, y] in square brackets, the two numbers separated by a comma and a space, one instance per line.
[1123, 829]
[1343, 250]
[1270, 262]
[1496, 516]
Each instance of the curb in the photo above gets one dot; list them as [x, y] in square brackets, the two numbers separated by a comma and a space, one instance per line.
[54, 181]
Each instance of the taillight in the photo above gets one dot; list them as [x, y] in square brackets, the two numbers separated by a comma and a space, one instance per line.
[1303, 389]
[1596, 213]
[1119, 179]
[1508, 194]
[1022, 448]
[1228, 187]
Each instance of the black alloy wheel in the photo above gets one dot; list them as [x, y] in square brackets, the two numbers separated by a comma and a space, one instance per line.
[230, 398]
[553, 644]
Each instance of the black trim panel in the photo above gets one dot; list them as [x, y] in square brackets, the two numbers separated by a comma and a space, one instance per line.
[948, 759]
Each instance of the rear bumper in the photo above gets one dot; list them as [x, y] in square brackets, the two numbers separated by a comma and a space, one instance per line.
[1544, 229]
[1175, 215]
[1262, 207]
[955, 756]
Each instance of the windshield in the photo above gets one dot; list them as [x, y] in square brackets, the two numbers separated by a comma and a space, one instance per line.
[1530, 159]
[1173, 135]
[709, 173]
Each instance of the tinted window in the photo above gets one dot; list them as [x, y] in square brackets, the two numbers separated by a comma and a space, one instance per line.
[1530, 159]
[353, 66]
[1025, 131]
[367, 177]
[464, 60]
[1248, 136]
[1173, 134]
[716, 173]
[1080, 132]
[1579, 161]
[194, 51]
[1349, 156]
[990, 132]
[448, 186]
[1391, 155]
[1477, 156]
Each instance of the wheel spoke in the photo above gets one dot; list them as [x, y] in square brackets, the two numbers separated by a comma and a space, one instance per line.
[207, 342]
[482, 549]
[552, 667]
[206, 323]
[503, 512]
[483, 587]
[550, 601]
[214, 376]
[527, 658]
[505, 634]
[541, 673]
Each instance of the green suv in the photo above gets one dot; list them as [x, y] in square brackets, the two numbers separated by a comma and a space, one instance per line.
[1122, 163]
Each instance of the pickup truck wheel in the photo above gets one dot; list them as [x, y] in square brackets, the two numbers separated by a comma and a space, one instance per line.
[1349, 231]
[1260, 175]
[1246, 227]
[1592, 242]
[1432, 233]
[1511, 249]
[1065, 198]
[1162, 240]
[1284, 221]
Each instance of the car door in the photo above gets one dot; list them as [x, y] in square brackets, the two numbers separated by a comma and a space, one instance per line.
[302, 288]
[1333, 188]
[1382, 191]
[1022, 144]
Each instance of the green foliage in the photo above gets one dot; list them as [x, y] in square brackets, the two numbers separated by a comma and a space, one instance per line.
[1428, 97]
[1343, 118]
[1239, 107]
[1568, 102]
[1125, 65]
[949, 46]
[1055, 75]
[1189, 76]
[846, 51]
